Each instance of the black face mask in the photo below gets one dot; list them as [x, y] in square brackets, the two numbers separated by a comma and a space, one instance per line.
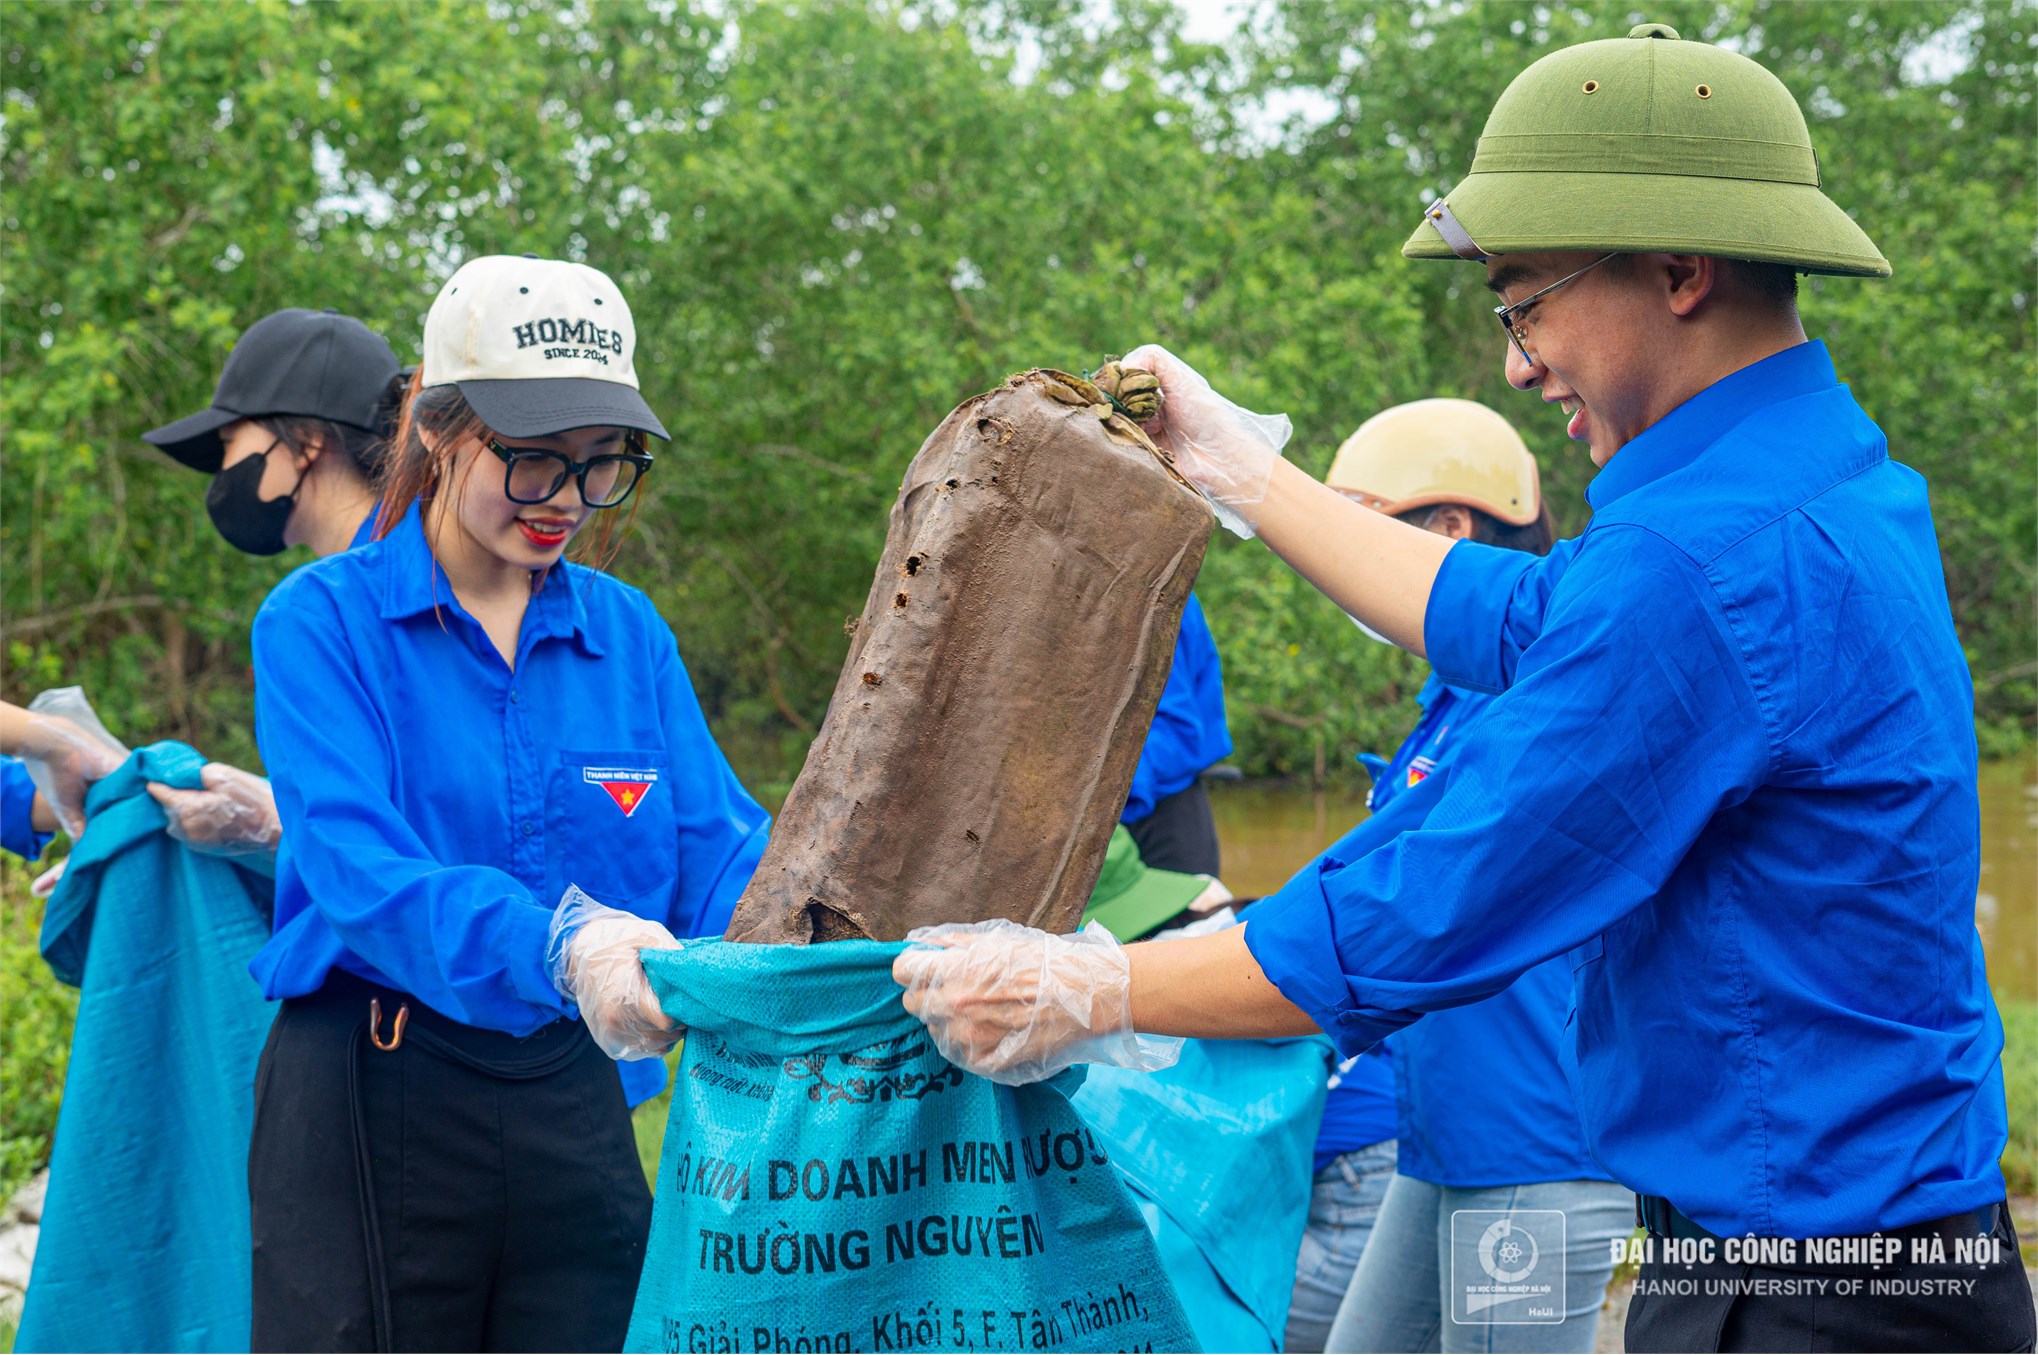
[249, 522]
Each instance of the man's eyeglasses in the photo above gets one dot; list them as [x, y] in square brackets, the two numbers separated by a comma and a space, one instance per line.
[1514, 318]
[535, 474]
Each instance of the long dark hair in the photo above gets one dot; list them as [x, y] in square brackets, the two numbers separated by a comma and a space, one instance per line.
[414, 471]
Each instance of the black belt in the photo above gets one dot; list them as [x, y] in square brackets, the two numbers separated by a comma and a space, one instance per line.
[392, 1018]
[1664, 1219]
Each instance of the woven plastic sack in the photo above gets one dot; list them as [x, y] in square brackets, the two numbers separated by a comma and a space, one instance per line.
[830, 1182]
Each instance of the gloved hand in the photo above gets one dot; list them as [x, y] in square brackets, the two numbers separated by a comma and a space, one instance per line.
[64, 758]
[1016, 1004]
[1225, 451]
[235, 815]
[591, 954]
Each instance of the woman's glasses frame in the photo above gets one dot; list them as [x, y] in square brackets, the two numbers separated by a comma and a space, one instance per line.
[512, 457]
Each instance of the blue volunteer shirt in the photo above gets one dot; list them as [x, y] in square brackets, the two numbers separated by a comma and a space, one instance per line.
[1482, 1092]
[1188, 733]
[17, 811]
[1730, 774]
[436, 804]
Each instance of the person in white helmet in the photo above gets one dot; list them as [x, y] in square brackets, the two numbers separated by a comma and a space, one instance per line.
[1485, 1122]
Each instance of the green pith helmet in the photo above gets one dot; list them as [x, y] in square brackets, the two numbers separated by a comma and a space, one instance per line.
[1647, 143]
[1131, 899]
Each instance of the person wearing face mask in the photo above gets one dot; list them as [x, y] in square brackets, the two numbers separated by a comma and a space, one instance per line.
[293, 442]
[1482, 1103]
[496, 787]
[294, 435]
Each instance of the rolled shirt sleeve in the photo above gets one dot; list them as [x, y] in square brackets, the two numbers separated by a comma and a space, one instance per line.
[1627, 720]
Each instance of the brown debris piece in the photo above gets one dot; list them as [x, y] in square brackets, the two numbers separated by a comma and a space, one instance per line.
[1052, 550]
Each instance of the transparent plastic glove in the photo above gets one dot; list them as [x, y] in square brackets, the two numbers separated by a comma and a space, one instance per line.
[591, 954]
[235, 815]
[1016, 1004]
[46, 883]
[66, 750]
[1225, 451]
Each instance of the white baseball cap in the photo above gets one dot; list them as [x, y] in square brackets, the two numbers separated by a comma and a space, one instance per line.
[537, 346]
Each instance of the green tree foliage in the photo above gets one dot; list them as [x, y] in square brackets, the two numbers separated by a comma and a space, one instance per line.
[36, 1016]
[836, 220]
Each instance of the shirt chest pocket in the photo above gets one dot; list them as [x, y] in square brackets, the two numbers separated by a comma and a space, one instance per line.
[613, 828]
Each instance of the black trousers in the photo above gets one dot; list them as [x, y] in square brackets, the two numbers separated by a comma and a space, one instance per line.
[1904, 1305]
[1180, 834]
[466, 1190]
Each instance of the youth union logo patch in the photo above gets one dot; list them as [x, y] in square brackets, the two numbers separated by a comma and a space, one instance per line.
[627, 786]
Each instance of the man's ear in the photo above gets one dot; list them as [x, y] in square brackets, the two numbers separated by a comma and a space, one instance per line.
[1688, 279]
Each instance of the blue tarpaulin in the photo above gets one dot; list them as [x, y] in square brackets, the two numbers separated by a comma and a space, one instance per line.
[144, 1242]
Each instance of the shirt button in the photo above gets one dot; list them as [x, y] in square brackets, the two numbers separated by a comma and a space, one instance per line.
[516, 697]
[528, 828]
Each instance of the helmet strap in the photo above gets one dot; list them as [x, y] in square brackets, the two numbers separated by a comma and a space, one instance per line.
[1454, 233]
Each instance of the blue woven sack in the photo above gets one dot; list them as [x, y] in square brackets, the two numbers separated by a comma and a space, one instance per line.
[830, 1182]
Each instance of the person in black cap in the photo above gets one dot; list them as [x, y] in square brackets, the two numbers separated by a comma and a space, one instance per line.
[321, 389]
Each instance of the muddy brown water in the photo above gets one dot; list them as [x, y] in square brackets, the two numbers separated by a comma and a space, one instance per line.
[1269, 831]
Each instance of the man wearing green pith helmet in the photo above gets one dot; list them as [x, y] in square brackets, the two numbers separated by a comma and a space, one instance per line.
[1728, 773]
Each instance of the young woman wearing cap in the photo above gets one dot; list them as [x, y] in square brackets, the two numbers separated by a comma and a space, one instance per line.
[1485, 1120]
[496, 786]
[293, 442]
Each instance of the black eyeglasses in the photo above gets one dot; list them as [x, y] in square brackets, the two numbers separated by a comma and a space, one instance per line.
[1513, 318]
[535, 474]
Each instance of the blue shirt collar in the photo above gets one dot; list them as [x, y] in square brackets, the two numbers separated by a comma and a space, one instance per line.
[1679, 437]
[413, 583]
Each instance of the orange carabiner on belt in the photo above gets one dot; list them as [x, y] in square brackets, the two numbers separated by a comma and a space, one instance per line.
[395, 1030]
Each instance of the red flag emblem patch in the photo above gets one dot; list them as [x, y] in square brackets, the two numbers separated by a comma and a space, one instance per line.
[1419, 770]
[627, 786]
